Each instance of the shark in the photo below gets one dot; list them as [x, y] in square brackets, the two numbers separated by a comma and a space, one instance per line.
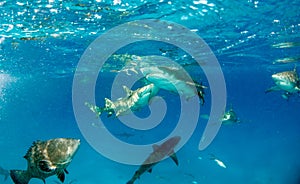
[134, 100]
[159, 153]
[229, 117]
[175, 80]
[287, 81]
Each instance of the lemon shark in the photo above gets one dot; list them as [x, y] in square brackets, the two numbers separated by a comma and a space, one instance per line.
[134, 100]
[287, 81]
[159, 153]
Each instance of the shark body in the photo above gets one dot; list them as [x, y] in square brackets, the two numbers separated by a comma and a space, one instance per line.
[287, 81]
[159, 152]
[134, 100]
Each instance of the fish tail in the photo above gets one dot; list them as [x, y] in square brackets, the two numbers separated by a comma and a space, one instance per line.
[20, 177]
[130, 181]
[97, 110]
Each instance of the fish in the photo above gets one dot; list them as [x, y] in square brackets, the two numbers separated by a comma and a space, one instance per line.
[47, 158]
[134, 100]
[287, 81]
[4, 172]
[175, 80]
[219, 162]
[159, 152]
[229, 117]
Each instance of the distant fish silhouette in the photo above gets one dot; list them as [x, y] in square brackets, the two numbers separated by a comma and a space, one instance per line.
[4, 172]
[159, 152]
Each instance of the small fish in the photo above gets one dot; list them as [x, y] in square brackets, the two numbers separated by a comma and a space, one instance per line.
[134, 100]
[219, 162]
[159, 152]
[287, 81]
[47, 158]
[4, 172]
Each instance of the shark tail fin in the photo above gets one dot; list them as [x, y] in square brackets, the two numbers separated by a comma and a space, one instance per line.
[95, 109]
[20, 176]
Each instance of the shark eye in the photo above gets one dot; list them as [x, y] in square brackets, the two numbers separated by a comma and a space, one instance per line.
[45, 166]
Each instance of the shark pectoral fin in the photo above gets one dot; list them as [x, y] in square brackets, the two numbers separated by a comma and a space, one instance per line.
[150, 170]
[61, 176]
[274, 88]
[109, 104]
[174, 157]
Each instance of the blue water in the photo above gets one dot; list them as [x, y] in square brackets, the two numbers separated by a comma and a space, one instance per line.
[41, 43]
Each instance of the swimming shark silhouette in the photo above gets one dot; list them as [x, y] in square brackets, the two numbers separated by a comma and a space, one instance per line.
[159, 152]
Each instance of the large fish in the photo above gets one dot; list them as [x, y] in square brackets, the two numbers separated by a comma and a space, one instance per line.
[4, 172]
[47, 158]
[134, 100]
[287, 81]
[159, 152]
[175, 80]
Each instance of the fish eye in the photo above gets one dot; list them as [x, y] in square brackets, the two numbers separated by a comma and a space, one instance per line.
[45, 166]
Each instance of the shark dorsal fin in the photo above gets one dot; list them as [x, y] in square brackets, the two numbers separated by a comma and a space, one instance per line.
[174, 157]
[127, 91]
[155, 147]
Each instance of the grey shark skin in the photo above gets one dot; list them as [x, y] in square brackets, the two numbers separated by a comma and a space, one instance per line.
[134, 100]
[159, 152]
[47, 158]
[175, 80]
[287, 81]
[4, 172]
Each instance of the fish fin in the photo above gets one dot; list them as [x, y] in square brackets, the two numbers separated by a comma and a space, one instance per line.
[150, 170]
[155, 147]
[94, 108]
[274, 88]
[127, 91]
[174, 157]
[5, 177]
[66, 171]
[61, 176]
[20, 176]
